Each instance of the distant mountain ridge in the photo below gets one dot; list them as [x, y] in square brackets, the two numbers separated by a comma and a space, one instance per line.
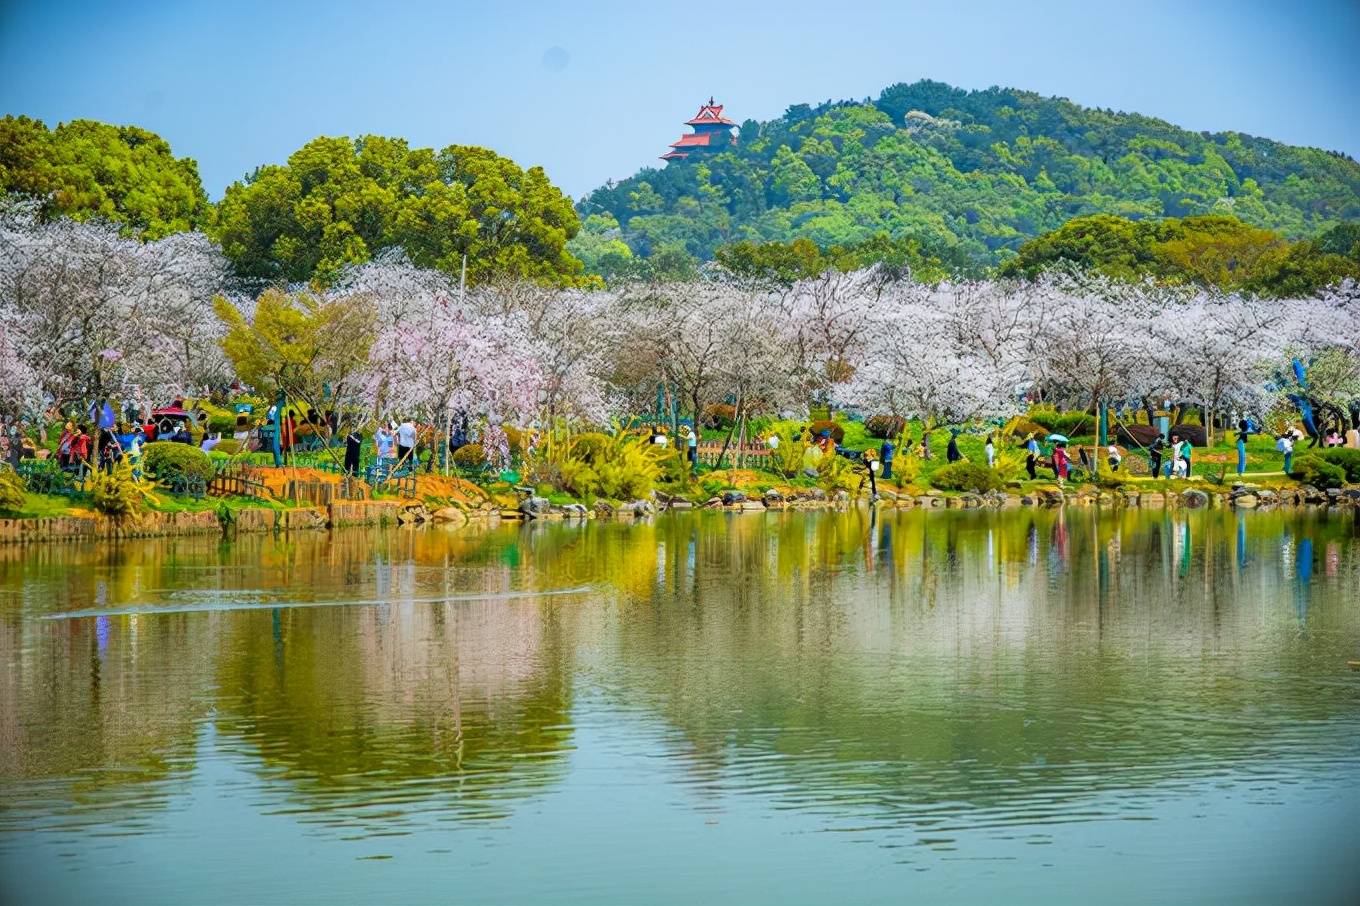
[978, 171]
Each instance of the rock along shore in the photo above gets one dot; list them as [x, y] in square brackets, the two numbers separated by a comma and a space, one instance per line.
[410, 513]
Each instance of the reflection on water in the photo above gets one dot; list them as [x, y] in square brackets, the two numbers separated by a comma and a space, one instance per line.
[812, 706]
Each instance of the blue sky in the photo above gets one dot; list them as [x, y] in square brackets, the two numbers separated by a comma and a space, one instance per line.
[594, 90]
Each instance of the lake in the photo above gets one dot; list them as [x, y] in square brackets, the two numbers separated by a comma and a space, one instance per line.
[937, 707]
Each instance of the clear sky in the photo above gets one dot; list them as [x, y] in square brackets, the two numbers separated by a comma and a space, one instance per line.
[594, 90]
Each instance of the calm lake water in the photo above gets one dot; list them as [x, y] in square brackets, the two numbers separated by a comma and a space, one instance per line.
[946, 707]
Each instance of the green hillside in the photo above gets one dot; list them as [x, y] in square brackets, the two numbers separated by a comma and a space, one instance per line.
[979, 172]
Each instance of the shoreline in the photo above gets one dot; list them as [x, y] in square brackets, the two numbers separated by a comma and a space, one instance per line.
[223, 522]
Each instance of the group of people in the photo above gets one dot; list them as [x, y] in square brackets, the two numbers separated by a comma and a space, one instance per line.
[395, 445]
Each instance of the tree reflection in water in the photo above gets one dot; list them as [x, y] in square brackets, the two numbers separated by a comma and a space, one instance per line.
[941, 669]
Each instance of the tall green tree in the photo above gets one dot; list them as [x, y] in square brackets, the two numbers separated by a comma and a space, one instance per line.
[85, 169]
[339, 202]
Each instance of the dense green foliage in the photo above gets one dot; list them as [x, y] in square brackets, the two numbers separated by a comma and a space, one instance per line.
[982, 171]
[166, 461]
[966, 476]
[339, 202]
[1210, 250]
[785, 263]
[88, 169]
[11, 493]
[621, 466]
[119, 493]
[1345, 458]
[1313, 469]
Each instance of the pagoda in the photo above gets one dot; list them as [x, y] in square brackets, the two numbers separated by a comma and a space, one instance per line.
[712, 133]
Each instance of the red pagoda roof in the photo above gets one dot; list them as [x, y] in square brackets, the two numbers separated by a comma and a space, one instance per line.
[710, 114]
[674, 155]
[695, 138]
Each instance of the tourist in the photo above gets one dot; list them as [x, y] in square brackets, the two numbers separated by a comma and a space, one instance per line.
[951, 451]
[1155, 456]
[1353, 438]
[824, 442]
[210, 442]
[1333, 439]
[691, 446]
[872, 467]
[354, 445]
[80, 449]
[16, 444]
[1243, 432]
[1285, 445]
[134, 451]
[1177, 456]
[1114, 456]
[182, 435]
[1061, 463]
[659, 436]
[384, 441]
[990, 449]
[885, 456]
[406, 443]
[1032, 457]
[68, 433]
[772, 441]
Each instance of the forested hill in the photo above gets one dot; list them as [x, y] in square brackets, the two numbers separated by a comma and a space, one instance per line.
[978, 172]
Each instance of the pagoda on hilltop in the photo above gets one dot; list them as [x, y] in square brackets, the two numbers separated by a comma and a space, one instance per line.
[712, 133]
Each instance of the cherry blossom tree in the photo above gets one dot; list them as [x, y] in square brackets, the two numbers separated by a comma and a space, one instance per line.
[439, 359]
[97, 315]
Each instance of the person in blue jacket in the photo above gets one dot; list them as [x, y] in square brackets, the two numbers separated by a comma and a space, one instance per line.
[885, 456]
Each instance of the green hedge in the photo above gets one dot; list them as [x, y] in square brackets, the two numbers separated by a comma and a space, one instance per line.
[884, 426]
[1313, 469]
[167, 460]
[966, 476]
[1345, 457]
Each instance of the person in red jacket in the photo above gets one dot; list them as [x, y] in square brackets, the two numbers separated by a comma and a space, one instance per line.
[80, 448]
[1061, 463]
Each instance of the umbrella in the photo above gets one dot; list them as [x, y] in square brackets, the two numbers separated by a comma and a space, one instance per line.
[1057, 438]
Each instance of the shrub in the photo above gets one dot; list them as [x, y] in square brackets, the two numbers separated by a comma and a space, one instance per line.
[11, 493]
[516, 439]
[624, 466]
[966, 476]
[221, 424]
[1021, 426]
[836, 429]
[838, 473]
[1348, 459]
[167, 461]
[1068, 423]
[720, 415]
[469, 456]
[229, 446]
[1313, 469]
[884, 426]
[118, 493]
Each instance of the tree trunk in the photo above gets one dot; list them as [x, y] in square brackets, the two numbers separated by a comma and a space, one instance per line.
[727, 442]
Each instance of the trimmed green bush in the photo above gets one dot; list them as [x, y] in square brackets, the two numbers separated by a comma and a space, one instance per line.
[167, 461]
[1067, 423]
[884, 426]
[1346, 458]
[1313, 469]
[966, 476]
[469, 456]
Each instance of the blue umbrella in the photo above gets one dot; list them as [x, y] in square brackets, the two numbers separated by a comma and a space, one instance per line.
[1057, 438]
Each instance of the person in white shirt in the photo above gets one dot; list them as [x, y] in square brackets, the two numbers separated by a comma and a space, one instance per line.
[1113, 455]
[406, 443]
